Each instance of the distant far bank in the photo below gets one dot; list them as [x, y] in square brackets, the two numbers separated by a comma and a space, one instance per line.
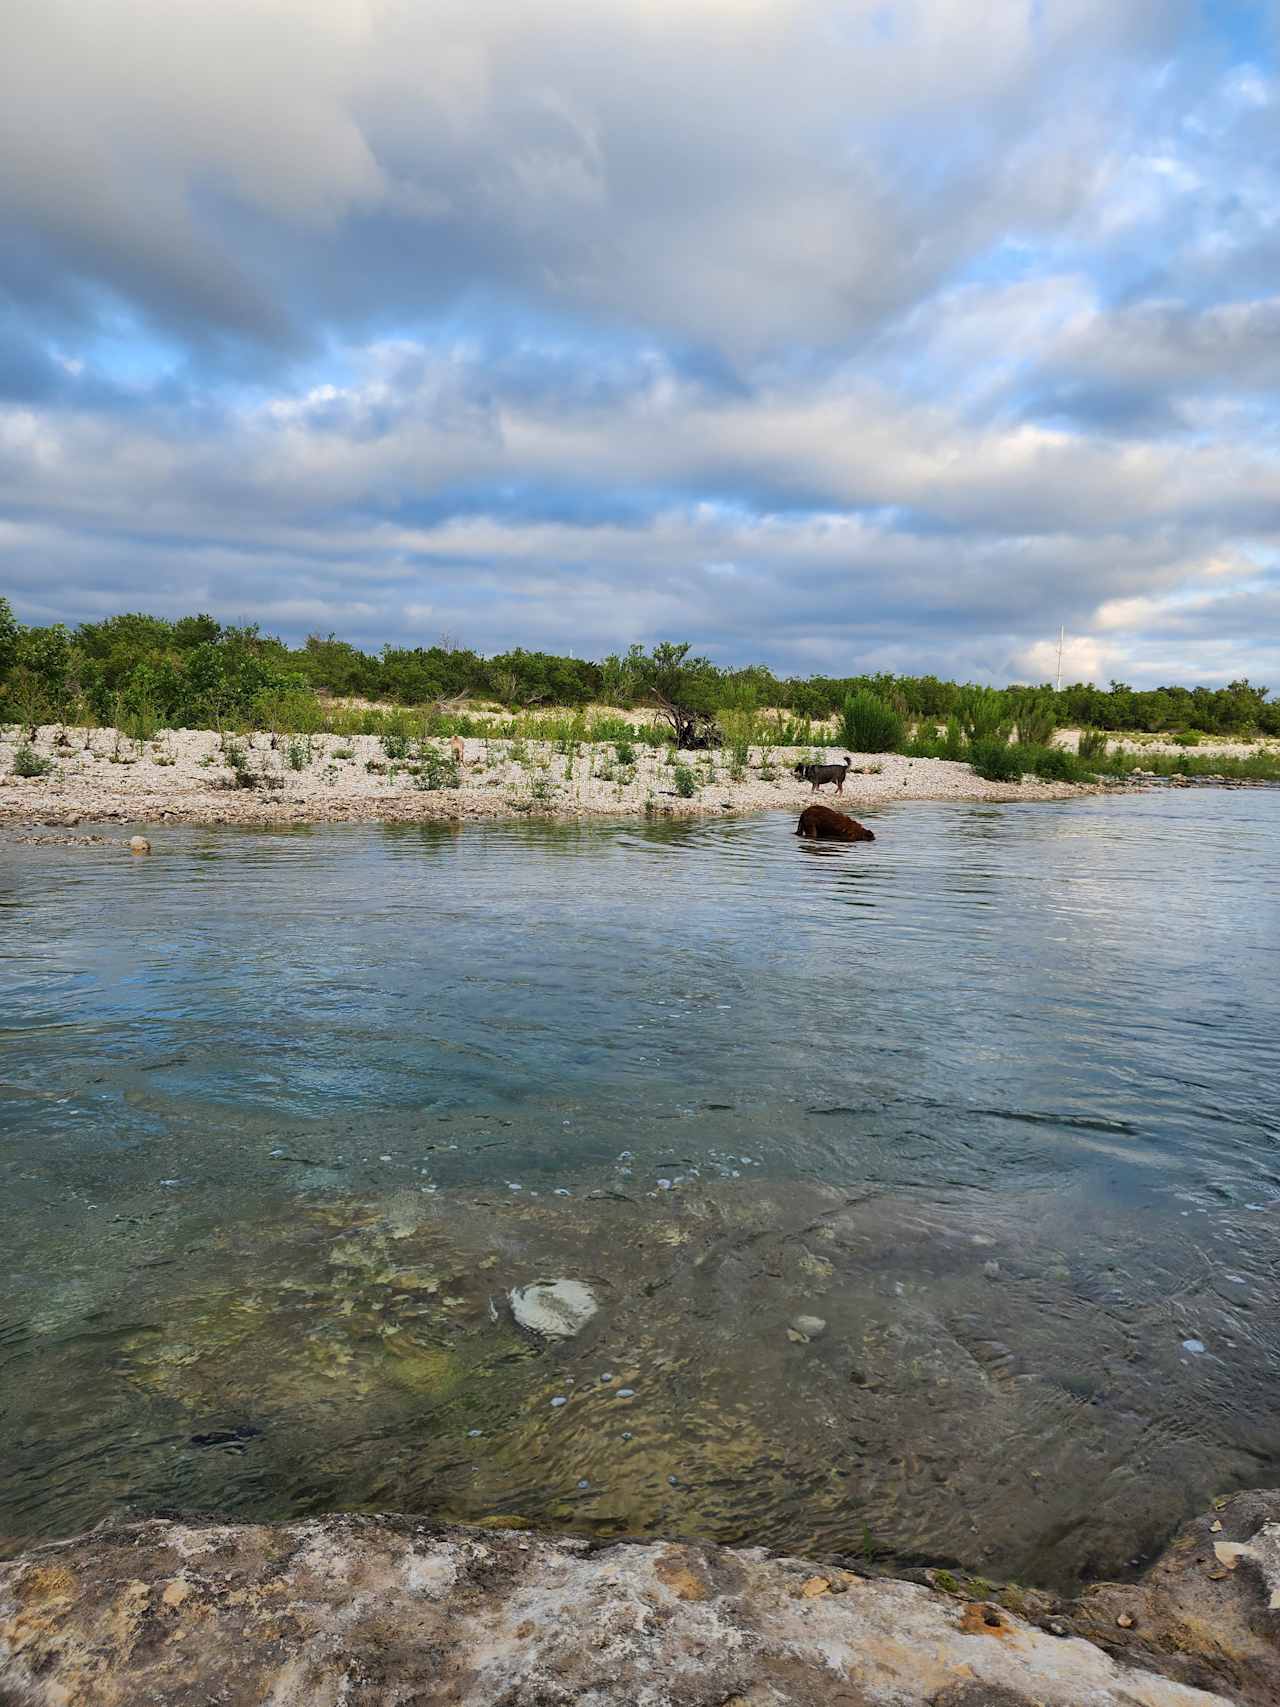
[142, 673]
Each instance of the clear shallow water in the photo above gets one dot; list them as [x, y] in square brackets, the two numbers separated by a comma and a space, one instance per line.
[997, 1097]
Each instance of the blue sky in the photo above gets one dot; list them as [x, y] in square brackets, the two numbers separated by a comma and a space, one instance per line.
[856, 336]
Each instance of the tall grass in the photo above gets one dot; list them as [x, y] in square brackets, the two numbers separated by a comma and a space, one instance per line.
[1258, 767]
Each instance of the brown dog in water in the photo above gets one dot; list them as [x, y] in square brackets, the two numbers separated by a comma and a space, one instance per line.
[821, 824]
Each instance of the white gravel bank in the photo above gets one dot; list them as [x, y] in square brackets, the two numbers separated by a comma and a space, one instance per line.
[183, 776]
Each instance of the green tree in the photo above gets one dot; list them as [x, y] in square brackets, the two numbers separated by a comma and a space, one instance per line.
[684, 690]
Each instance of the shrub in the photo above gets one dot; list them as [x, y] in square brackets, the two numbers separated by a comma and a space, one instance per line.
[996, 760]
[1055, 764]
[27, 762]
[868, 725]
[953, 740]
[298, 753]
[395, 744]
[1187, 738]
[1036, 720]
[983, 714]
[626, 753]
[1093, 743]
[437, 770]
[686, 782]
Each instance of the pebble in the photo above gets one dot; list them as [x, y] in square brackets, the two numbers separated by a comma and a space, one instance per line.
[474, 1433]
[558, 1401]
[991, 1270]
[1195, 1347]
[626, 1393]
[674, 1483]
[626, 1434]
[584, 1483]
[808, 1327]
[607, 1376]
[664, 1185]
[139, 844]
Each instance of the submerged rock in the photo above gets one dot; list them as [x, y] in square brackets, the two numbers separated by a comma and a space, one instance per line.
[393, 1610]
[556, 1309]
[808, 1327]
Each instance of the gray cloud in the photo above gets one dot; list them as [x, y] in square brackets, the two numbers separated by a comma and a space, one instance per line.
[738, 174]
[840, 336]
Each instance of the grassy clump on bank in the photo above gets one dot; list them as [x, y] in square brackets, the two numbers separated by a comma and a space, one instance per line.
[998, 761]
[28, 763]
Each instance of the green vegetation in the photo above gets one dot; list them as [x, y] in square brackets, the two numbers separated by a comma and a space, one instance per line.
[984, 714]
[996, 760]
[686, 782]
[237, 761]
[1258, 767]
[141, 673]
[437, 769]
[28, 763]
[868, 725]
[1037, 719]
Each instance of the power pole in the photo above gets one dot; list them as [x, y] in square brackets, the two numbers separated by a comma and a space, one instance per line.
[1061, 631]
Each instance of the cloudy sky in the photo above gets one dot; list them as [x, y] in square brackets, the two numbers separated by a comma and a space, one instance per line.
[875, 334]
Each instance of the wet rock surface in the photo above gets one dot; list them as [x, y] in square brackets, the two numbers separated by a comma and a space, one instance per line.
[1205, 1613]
[354, 1610]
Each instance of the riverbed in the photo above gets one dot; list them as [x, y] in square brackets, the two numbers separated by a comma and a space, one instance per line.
[285, 1115]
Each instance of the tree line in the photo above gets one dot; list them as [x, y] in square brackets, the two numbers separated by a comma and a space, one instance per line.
[196, 672]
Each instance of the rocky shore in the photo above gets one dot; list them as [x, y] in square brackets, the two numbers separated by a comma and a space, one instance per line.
[392, 1611]
[198, 777]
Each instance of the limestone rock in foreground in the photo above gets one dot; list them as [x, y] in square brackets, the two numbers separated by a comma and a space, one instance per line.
[358, 1611]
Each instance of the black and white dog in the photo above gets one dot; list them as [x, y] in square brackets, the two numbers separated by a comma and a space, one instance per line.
[818, 774]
